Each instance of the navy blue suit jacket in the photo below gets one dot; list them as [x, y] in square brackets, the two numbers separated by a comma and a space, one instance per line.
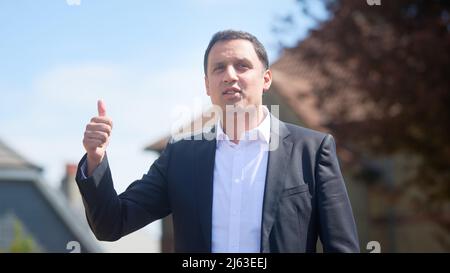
[305, 196]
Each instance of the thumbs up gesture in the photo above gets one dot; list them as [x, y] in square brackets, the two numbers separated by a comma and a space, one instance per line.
[96, 137]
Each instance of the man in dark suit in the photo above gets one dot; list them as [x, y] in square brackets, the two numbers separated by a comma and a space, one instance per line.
[251, 184]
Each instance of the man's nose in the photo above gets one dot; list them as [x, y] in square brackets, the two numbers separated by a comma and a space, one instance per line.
[230, 75]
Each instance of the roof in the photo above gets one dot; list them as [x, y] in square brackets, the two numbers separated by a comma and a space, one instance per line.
[297, 75]
[311, 71]
[10, 159]
[197, 125]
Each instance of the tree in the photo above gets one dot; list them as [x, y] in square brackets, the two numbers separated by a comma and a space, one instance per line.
[392, 85]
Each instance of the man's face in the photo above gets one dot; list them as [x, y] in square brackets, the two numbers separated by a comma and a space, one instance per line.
[235, 75]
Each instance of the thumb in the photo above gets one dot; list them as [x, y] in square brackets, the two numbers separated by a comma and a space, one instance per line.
[101, 108]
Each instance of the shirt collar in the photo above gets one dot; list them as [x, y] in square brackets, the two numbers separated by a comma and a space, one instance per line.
[261, 132]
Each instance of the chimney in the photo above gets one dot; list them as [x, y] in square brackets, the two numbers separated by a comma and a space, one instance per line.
[69, 187]
[71, 169]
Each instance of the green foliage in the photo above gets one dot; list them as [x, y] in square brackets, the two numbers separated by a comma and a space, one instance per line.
[22, 243]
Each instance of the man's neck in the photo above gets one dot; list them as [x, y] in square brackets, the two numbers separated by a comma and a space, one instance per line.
[236, 122]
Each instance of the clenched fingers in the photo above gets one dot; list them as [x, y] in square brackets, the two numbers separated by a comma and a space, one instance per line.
[99, 135]
[101, 127]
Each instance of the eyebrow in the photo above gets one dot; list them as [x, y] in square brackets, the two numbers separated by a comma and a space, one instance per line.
[237, 59]
[217, 64]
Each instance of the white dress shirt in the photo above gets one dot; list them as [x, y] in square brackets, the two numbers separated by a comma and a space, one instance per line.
[238, 191]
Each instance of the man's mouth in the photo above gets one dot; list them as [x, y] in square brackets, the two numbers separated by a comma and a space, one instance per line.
[231, 91]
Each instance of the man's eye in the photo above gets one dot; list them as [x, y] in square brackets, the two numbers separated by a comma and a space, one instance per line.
[218, 68]
[242, 66]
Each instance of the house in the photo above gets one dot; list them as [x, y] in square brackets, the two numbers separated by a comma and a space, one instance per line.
[34, 217]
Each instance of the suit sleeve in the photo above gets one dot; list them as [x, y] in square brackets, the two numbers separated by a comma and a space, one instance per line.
[337, 228]
[113, 216]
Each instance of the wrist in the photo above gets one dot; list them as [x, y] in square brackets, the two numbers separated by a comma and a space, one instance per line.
[93, 162]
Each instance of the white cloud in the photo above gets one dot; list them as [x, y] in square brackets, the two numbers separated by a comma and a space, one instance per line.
[63, 99]
[73, 2]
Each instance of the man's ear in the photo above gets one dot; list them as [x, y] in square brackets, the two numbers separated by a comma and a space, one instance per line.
[267, 80]
[207, 85]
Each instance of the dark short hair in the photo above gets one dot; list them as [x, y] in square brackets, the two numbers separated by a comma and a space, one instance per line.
[228, 35]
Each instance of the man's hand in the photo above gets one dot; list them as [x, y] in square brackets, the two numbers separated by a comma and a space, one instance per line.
[96, 137]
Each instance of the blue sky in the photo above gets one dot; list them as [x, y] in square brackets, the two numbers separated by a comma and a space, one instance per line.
[144, 58]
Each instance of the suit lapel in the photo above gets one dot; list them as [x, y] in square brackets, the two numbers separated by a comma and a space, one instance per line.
[205, 151]
[279, 154]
